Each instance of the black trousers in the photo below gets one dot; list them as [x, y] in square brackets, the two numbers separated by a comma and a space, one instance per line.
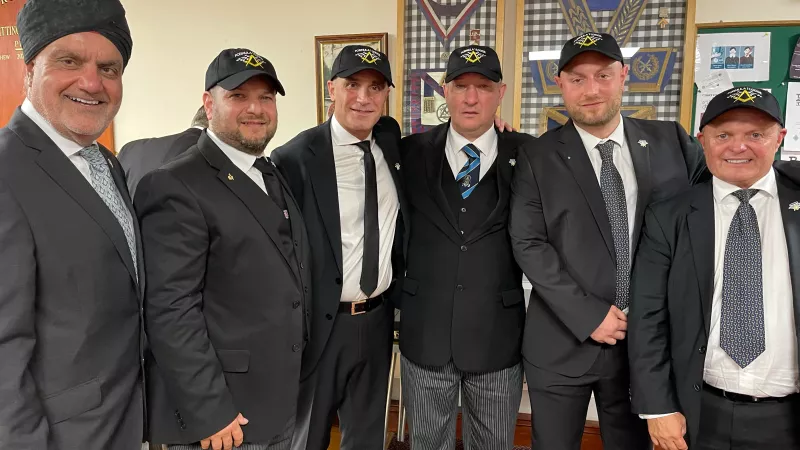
[729, 425]
[351, 378]
[559, 404]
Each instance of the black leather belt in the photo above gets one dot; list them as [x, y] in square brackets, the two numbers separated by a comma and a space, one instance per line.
[742, 398]
[360, 307]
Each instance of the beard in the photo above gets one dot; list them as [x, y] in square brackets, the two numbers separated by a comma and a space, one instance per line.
[237, 140]
[581, 117]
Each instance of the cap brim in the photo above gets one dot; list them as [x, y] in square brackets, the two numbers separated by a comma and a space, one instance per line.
[490, 74]
[355, 70]
[708, 119]
[602, 52]
[237, 79]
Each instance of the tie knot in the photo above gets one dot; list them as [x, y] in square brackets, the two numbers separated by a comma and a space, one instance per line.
[93, 156]
[264, 165]
[744, 195]
[606, 149]
[472, 151]
[365, 146]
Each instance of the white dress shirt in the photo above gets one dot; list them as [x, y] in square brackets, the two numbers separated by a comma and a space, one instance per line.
[486, 143]
[69, 148]
[623, 162]
[774, 373]
[351, 187]
[243, 161]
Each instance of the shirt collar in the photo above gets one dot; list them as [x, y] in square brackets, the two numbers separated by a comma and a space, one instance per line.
[243, 161]
[340, 136]
[767, 184]
[67, 146]
[590, 141]
[486, 143]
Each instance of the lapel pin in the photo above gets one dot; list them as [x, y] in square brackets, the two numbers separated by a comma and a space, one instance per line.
[397, 166]
[642, 142]
[795, 206]
[230, 177]
[513, 162]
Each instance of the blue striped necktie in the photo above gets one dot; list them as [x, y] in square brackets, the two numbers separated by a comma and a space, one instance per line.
[470, 173]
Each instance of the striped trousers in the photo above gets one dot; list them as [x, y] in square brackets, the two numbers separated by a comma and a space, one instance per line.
[490, 403]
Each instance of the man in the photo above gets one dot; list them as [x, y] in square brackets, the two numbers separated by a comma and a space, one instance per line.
[579, 195]
[145, 155]
[227, 257]
[463, 306]
[345, 174]
[714, 311]
[747, 58]
[732, 61]
[71, 273]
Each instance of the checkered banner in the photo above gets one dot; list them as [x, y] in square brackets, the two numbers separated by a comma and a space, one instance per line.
[432, 29]
[655, 26]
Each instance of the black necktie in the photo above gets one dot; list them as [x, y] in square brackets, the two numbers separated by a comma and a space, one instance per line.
[274, 188]
[369, 264]
[614, 196]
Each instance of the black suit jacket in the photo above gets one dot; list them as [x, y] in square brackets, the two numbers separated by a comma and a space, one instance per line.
[472, 313]
[672, 291]
[145, 155]
[224, 306]
[562, 235]
[307, 162]
[70, 328]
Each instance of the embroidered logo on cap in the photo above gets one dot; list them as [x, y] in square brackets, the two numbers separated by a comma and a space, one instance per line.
[745, 94]
[249, 59]
[473, 55]
[587, 40]
[367, 55]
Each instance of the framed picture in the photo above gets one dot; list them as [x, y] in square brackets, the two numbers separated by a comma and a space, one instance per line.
[326, 50]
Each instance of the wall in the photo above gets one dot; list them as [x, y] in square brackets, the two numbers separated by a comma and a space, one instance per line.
[746, 10]
[175, 40]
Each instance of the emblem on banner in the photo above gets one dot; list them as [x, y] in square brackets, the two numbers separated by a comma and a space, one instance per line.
[447, 20]
[651, 69]
[544, 75]
[578, 14]
[426, 105]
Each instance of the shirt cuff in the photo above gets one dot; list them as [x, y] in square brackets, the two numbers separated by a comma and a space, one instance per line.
[655, 416]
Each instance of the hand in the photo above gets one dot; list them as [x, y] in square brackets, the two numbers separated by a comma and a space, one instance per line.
[502, 125]
[667, 432]
[613, 328]
[227, 437]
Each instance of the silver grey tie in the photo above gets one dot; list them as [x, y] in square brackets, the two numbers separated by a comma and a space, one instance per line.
[742, 317]
[617, 209]
[104, 185]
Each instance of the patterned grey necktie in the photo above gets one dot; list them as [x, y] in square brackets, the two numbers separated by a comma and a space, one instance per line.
[104, 185]
[617, 209]
[742, 329]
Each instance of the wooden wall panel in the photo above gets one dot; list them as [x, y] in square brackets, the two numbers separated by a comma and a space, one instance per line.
[12, 68]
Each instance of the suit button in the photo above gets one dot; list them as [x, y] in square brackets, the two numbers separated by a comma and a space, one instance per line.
[459, 288]
[296, 348]
[697, 388]
[296, 244]
[328, 316]
[183, 426]
[463, 248]
[295, 305]
[339, 281]
[177, 414]
[702, 350]
[305, 289]
[463, 209]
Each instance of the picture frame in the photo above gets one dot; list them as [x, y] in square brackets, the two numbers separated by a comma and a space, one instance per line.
[326, 48]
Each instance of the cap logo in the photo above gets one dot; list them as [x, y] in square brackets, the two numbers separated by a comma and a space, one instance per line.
[368, 56]
[587, 40]
[249, 59]
[744, 94]
[473, 55]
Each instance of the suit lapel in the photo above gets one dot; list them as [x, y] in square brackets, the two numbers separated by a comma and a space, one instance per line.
[573, 153]
[388, 143]
[434, 161]
[788, 193]
[701, 235]
[322, 172]
[640, 154]
[266, 213]
[58, 167]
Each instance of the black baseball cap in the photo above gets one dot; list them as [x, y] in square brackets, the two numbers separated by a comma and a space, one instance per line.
[473, 59]
[232, 67]
[355, 58]
[742, 97]
[602, 43]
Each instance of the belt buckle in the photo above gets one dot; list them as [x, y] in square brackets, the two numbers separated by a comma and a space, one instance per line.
[353, 311]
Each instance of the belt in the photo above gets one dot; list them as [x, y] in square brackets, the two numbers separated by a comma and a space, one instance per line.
[742, 398]
[361, 306]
